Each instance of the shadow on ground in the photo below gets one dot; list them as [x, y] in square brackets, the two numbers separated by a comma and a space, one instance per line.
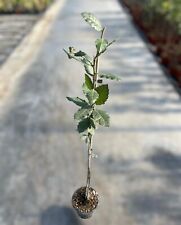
[169, 164]
[159, 200]
[152, 184]
[59, 215]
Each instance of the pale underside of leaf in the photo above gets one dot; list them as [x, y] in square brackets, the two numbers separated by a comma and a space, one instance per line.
[82, 113]
[101, 45]
[109, 76]
[101, 117]
[85, 89]
[92, 96]
[79, 56]
[88, 69]
[92, 21]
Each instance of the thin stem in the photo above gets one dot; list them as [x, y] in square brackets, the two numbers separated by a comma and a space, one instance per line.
[96, 62]
[102, 32]
[96, 72]
[90, 136]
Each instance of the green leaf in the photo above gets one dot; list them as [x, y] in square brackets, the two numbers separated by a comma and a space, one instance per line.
[92, 21]
[88, 69]
[96, 115]
[82, 113]
[79, 54]
[85, 89]
[83, 125]
[86, 127]
[78, 101]
[101, 117]
[92, 127]
[92, 96]
[86, 59]
[71, 55]
[109, 76]
[103, 92]
[101, 45]
[88, 82]
[93, 123]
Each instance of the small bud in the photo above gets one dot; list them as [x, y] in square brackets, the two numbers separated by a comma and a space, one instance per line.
[72, 50]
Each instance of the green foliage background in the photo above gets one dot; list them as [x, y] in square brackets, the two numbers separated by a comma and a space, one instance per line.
[21, 6]
[168, 9]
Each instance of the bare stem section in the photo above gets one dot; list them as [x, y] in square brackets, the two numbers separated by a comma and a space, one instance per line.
[89, 165]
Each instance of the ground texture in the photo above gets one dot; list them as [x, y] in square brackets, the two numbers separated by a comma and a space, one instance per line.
[13, 29]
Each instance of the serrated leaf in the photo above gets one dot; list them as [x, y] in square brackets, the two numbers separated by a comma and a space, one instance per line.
[101, 45]
[109, 76]
[92, 21]
[101, 117]
[88, 82]
[103, 92]
[78, 101]
[92, 96]
[82, 113]
[83, 125]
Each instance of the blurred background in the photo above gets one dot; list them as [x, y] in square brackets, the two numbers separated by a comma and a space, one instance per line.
[24, 6]
[160, 20]
[43, 160]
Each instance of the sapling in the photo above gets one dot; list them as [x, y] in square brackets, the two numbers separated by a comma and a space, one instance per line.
[89, 116]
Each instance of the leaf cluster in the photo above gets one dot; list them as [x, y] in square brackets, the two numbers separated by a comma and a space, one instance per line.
[88, 116]
[95, 91]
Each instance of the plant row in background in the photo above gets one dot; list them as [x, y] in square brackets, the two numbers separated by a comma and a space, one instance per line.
[161, 22]
[23, 6]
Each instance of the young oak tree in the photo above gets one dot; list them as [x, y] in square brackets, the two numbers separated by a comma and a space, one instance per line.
[89, 115]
